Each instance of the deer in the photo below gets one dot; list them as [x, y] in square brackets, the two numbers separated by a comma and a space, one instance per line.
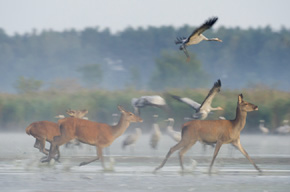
[92, 133]
[77, 113]
[45, 131]
[217, 132]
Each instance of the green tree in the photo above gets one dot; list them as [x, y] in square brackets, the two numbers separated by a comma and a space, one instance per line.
[173, 71]
[27, 85]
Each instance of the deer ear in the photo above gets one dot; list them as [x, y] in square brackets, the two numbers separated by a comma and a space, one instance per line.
[121, 108]
[240, 98]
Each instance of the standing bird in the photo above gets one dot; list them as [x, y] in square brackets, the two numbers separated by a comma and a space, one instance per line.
[175, 135]
[196, 36]
[155, 134]
[115, 117]
[284, 129]
[155, 101]
[132, 138]
[263, 128]
[202, 110]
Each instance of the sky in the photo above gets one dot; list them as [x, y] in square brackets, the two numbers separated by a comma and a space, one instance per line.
[22, 16]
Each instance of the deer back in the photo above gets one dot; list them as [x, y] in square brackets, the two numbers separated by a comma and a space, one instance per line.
[43, 129]
[86, 131]
[208, 131]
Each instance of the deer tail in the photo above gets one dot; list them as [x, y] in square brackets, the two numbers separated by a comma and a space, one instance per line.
[27, 130]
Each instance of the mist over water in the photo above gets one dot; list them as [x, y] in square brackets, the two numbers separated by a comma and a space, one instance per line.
[132, 169]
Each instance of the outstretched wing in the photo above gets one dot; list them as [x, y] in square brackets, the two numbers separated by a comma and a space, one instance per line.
[186, 53]
[180, 40]
[206, 104]
[154, 100]
[187, 101]
[208, 24]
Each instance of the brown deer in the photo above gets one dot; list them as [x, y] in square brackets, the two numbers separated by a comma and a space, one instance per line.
[214, 131]
[93, 133]
[45, 131]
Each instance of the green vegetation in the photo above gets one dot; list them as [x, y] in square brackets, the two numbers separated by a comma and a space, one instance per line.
[246, 56]
[172, 70]
[17, 111]
[97, 70]
[27, 85]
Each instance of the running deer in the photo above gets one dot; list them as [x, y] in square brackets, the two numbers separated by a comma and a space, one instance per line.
[214, 131]
[93, 133]
[45, 131]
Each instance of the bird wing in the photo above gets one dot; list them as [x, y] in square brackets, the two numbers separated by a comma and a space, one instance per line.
[206, 104]
[180, 40]
[208, 24]
[134, 103]
[154, 100]
[195, 105]
[186, 53]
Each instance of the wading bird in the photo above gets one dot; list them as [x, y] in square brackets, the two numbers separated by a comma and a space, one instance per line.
[155, 101]
[214, 131]
[202, 110]
[132, 138]
[196, 36]
[284, 129]
[175, 135]
[263, 128]
[155, 133]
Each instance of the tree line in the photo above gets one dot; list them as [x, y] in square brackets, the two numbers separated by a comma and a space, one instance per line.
[145, 58]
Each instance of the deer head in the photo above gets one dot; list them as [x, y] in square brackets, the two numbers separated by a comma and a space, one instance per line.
[246, 106]
[77, 113]
[129, 116]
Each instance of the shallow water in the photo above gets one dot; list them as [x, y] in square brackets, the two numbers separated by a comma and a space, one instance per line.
[132, 169]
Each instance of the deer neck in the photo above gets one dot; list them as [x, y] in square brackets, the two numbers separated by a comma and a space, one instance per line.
[120, 128]
[240, 120]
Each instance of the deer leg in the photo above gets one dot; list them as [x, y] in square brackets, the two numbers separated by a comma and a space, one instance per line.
[58, 154]
[100, 155]
[217, 148]
[238, 145]
[182, 152]
[54, 148]
[99, 152]
[172, 150]
[37, 144]
[52, 151]
[42, 146]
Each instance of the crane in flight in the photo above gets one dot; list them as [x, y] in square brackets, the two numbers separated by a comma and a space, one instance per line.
[196, 36]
